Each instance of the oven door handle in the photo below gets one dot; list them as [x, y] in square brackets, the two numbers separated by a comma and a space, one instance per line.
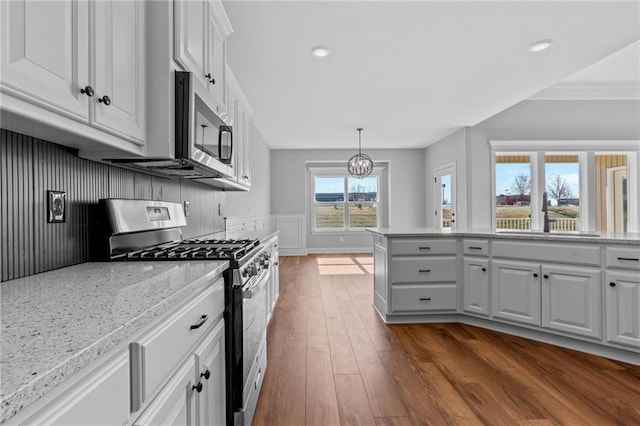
[259, 284]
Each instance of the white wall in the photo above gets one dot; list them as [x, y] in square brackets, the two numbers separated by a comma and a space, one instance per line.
[256, 202]
[406, 190]
[530, 120]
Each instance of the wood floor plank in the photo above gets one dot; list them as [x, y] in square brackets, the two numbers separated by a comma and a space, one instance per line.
[421, 407]
[393, 421]
[352, 401]
[322, 402]
[331, 360]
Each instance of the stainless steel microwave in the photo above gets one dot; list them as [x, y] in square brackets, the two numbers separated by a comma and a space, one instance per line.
[203, 142]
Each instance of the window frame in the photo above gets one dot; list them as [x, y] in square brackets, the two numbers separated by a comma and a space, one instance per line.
[335, 172]
[586, 151]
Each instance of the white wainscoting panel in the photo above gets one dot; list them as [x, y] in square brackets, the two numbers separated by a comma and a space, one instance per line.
[292, 234]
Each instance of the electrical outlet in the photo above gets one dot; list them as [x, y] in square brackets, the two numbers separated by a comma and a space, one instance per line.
[187, 208]
[342, 239]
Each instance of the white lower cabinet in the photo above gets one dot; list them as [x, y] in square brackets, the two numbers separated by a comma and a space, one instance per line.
[475, 289]
[571, 299]
[210, 404]
[515, 291]
[175, 404]
[622, 294]
[100, 398]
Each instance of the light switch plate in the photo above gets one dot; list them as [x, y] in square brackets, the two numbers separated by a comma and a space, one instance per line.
[187, 208]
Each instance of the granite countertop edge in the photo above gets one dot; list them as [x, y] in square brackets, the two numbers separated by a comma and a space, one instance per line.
[20, 398]
[606, 238]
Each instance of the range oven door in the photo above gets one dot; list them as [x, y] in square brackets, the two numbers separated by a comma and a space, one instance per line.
[246, 323]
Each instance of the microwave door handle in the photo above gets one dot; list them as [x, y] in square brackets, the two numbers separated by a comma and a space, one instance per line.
[225, 130]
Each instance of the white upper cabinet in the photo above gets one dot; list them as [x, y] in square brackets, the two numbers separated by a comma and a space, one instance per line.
[239, 117]
[201, 28]
[119, 66]
[83, 60]
[45, 54]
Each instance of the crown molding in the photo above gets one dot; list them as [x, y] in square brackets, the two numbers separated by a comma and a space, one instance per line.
[624, 90]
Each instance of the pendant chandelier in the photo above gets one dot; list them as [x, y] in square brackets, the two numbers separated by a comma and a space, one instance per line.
[360, 165]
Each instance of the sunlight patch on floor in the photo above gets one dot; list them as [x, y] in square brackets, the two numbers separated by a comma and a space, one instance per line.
[345, 265]
[340, 270]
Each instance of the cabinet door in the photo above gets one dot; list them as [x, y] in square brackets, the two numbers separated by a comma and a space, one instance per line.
[45, 54]
[120, 67]
[246, 150]
[210, 360]
[233, 120]
[623, 308]
[571, 299]
[175, 404]
[476, 286]
[380, 285]
[515, 291]
[216, 51]
[191, 21]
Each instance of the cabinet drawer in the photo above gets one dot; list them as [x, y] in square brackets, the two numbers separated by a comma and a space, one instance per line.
[549, 252]
[155, 355]
[623, 257]
[423, 270]
[101, 398]
[424, 298]
[476, 247]
[403, 247]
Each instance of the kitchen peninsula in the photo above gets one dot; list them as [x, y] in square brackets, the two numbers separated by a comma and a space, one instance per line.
[580, 291]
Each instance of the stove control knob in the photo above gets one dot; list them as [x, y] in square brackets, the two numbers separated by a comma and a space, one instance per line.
[253, 269]
[245, 273]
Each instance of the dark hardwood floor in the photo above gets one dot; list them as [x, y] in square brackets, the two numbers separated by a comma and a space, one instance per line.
[332, 361]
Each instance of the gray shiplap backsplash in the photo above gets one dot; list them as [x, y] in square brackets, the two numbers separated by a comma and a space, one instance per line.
[29, 167]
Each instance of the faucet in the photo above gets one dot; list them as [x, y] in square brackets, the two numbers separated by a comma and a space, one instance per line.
[545, 209]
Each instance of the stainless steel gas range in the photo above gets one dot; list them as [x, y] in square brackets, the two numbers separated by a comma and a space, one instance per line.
[144, 230]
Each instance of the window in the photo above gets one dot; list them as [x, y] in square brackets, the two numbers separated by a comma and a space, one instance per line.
[344, 203]
[513, 192]
[562, 184]
[590, 185]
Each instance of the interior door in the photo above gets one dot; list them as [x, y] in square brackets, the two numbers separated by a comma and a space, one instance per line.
[445, 198]
[617, 205]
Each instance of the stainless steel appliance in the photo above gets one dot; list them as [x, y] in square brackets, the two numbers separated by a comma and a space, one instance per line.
[142, 230]
[202, 147]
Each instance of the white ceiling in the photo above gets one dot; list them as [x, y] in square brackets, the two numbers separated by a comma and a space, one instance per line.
[409, 72]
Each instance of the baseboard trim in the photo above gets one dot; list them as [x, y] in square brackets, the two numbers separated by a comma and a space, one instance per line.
[340, 250]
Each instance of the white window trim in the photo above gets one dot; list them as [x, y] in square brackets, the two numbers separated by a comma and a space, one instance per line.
[586, 150]
[339, 172]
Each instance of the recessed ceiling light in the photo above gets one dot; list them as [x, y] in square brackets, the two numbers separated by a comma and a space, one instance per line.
[540, 45]
[320, 51]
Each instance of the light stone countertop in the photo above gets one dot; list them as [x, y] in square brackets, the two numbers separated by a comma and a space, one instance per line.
[602, 238]
[56, 323]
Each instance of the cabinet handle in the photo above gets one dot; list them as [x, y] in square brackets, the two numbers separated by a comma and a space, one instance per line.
[209, 76]
[206, 374]
[201, 321]
[424, 248]
[633, 259]
[198, 387]
[475, 248]
[535, 275]
[612, 284]
[87, 90]
[425, 270]
[105, 99]
[546, 277]
[276, 263]
[425, 299]
[484, 269]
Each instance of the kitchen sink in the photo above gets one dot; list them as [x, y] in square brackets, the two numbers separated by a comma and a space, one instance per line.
[551, 234]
